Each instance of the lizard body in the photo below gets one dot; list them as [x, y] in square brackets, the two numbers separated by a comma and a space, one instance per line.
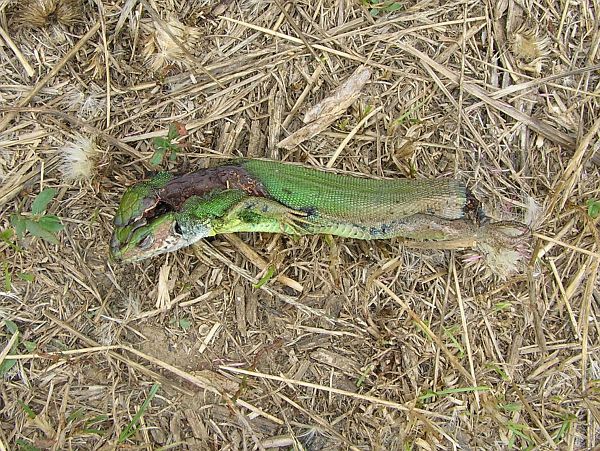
[168, 212]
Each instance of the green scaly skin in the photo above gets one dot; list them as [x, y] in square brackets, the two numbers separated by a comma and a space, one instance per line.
[356, 199]
[301, 201]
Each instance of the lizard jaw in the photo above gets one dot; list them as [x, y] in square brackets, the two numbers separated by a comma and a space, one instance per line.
[164, 234]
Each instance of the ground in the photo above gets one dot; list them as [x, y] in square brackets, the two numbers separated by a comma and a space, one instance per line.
[362, 345]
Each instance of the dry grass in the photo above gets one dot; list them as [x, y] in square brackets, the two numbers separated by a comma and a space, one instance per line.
[356, 345]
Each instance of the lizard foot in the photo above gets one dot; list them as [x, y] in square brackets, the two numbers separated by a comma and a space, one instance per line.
[505, 245]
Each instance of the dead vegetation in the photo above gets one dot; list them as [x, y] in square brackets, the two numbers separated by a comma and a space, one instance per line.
[355, 345]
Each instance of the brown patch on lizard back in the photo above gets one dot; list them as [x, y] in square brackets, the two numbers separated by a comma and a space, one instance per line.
[204, 181]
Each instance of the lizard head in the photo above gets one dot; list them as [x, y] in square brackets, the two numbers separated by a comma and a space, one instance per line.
[152, 236]
[146, 224]
[146, 238]
[143, 225]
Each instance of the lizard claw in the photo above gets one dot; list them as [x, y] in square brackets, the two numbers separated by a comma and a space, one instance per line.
[295, 220]
[505, 245]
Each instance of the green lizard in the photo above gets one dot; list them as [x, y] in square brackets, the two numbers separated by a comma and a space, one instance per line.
[167, 213]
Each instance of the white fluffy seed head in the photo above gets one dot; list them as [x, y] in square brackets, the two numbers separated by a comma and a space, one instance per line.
[43, 13]
[79, 158]
[534, 213]
[161, 49]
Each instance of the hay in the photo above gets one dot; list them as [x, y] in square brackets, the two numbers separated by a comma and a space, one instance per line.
[353, 345]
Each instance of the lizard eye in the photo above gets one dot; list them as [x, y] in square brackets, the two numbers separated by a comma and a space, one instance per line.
[177, 229]
[146, 242]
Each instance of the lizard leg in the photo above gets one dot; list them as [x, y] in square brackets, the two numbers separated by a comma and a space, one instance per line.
[259, 214]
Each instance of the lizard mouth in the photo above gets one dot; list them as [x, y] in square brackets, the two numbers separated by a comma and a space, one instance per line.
[158, 209]
[154, 209]
[146, 237]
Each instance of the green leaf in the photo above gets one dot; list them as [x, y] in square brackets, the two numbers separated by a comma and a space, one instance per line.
[498, 371]
[92, 421]
[498, 307]
[27, 277]
[96, 419]
[564, 427]
[51, 223]
[393, 7]
[364, 374]
[131, 428]
[374, 12]
[18, 222]
[92, 431]
[26, 446]
[450, 334]
[511, 407]
[77, 414]
[268, 276]
[7, 364]
[161, 143]
[517, 429]
[173, 132]
[42, 200]
[161, 146]
[6, 235]
[37, 230]
[11, 326]
[30, 346]
[157, 157]
[28, 410]
[185, 323]
[593, 208]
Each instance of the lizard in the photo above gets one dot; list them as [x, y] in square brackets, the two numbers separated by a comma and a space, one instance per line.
[169, 212]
